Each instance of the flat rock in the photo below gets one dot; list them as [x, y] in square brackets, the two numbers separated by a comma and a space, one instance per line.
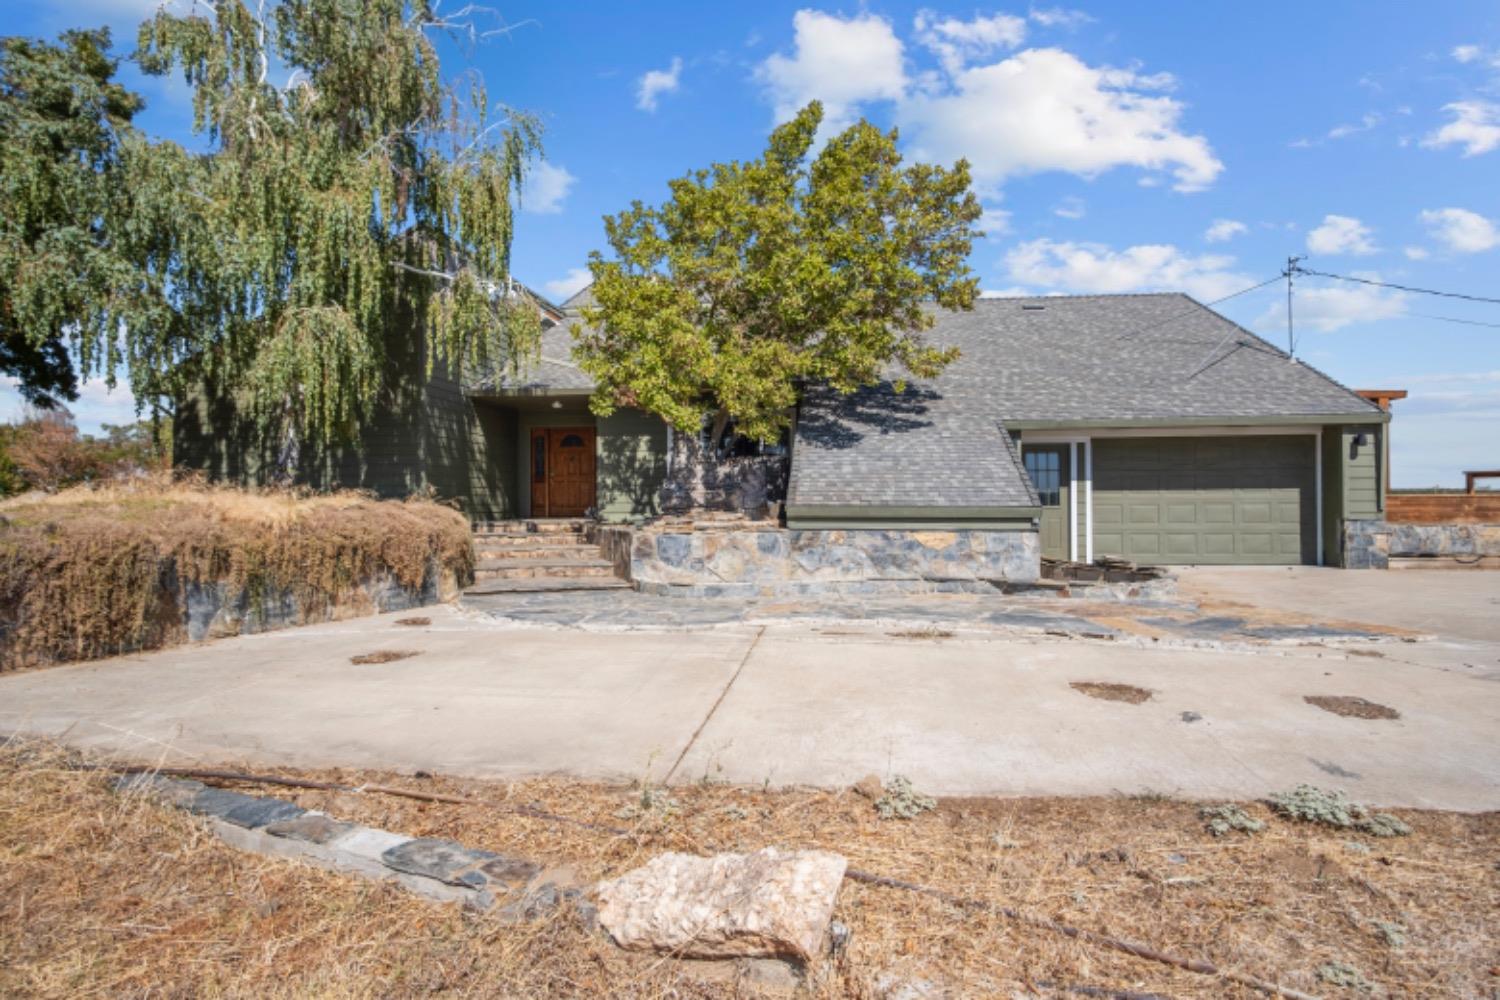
[248, 811]
[311, 828]
[458, 865]
[767, 904]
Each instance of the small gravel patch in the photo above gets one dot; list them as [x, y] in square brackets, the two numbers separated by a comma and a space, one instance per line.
[1112, 692]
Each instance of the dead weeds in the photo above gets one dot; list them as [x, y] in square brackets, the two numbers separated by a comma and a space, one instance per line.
[92, 572]
[113, 896]
[1112, 692]
[414, 621]
[385, 656]
[1351, 707]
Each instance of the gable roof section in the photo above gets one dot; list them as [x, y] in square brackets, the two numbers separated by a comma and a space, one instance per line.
[1148, 358]
[879, 449]
[1054, 361]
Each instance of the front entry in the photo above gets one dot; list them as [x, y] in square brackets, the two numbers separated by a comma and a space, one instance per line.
[1051, 474]
[562, 471]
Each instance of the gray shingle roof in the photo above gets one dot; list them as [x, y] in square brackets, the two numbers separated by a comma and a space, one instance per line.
[1128, 357]
[929, 446]
[554, 371]
[1076, 359]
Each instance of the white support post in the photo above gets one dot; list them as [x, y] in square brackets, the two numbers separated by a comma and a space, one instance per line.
[1088, 500]
[1073, 501]
[1318, 487]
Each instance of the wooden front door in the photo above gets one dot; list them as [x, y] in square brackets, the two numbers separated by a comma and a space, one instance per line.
[562, 471]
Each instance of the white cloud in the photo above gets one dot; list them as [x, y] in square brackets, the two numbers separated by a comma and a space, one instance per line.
[656, 82]
[1070, 208]
[1341, 234]
[1224, 230]
[956, 43]
[842, 62]
[1366, 123]
[1475, 127]
[1059, 17]
[1326, 309]
[1005, 293]
[1467, 53]
[570, 284]
[1461, 230]
[1093, 267]
[994, 222]
[546, 189]
[1415, 253]
[1045, 109]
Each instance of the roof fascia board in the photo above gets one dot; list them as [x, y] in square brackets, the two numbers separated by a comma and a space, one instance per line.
[1298, 420]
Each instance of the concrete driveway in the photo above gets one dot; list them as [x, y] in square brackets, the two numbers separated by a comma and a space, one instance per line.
[982, 711]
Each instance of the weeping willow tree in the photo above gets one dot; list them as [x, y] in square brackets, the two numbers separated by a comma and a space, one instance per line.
[354, 199]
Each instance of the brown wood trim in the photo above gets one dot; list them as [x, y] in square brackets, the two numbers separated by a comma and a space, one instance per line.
[1443, 508]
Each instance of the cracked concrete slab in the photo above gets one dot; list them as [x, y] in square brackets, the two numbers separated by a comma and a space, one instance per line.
[957, 705]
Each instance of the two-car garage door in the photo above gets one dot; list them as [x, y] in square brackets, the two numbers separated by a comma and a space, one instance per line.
[1206, 500]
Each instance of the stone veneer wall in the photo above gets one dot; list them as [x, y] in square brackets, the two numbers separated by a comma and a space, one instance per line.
[216, 610]
[1372, 544]
[771, 561]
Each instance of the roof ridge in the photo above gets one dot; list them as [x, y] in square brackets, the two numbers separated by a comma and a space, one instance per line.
[1064, 297]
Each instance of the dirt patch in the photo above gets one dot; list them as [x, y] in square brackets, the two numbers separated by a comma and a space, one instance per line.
[1351, 707]
[384, 656]
[921, 633]
[119, 897]
[1128, 693]
[1374, 653]
[413, 621]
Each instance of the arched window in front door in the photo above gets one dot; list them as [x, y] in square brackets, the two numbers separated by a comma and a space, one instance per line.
[571, 441]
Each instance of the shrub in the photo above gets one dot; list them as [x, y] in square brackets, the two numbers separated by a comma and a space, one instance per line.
[902, 801]
[1314, 805]
[96, 572]
[1221, 820]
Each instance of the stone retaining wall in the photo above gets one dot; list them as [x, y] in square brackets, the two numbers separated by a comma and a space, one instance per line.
[1372, 544]
[216, 610]
[769, 561]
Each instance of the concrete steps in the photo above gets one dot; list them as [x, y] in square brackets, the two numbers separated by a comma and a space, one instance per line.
[537, 556]
[530, 569]
[546, 585]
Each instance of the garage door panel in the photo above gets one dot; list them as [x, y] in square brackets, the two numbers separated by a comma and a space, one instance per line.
[1218, 543]
[1213, 500]
[1182, 513]
[1217, 511]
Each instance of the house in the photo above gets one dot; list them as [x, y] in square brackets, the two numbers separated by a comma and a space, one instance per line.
[1146, 427]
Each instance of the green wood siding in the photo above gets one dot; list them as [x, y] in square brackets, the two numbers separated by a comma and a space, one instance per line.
[632, 465]
[1333, 495]
[1363, 495]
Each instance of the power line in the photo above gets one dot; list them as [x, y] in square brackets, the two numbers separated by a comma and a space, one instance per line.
[1195, 310]
[1404, 288]
[1455, 319]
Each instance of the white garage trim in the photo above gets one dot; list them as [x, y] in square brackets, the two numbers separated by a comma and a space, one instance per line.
[1073, 501]
[1318, 487]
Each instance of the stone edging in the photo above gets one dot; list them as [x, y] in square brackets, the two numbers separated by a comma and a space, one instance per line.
[441, 870]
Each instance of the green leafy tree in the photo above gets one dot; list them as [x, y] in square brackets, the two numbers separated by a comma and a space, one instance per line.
[363, 199]
[755, 277]
[63, 123]
[324, 218]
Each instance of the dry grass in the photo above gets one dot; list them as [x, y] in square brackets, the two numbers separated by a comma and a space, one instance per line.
[1351, 707]
[104, 896]
[384, 656]
[93, 572]
[1128, 693]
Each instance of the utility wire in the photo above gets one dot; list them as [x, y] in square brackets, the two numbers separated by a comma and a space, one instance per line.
[1455, 319]
[1404, 288]
[1189, 312]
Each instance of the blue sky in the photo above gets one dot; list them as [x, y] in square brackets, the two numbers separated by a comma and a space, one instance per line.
[1118, 146]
